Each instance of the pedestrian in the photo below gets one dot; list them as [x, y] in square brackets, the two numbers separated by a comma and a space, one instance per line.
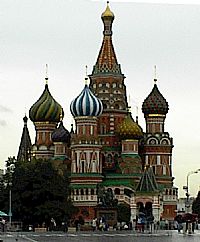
[139, 224]
[3, 222]
[76, 224]
[142, 223]
[101, 224]
[65, 226]
[130, 225]
[166, 224]
[134, 225]
[184, 227]
[94, 224]
[52, 224]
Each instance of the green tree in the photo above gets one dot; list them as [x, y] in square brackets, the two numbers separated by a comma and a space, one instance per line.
[123, 212]
[39, 192]
[6, 183]
[196, 205]
[3, 195]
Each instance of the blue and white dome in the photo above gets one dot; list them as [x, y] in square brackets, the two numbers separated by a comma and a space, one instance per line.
[86, 104]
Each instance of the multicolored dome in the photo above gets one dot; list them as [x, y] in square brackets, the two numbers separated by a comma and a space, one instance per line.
[155, 103]
[61, 134]
[86, 104]
[46, 108]
[129, 129]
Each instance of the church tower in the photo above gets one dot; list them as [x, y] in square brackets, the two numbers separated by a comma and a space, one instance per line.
[45, 114]
[157, 148]
[24, 153]
[86, 164]
[107, 83]
[157, 143]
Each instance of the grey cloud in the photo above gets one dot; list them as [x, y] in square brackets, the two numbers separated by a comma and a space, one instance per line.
[5, 109]
[3, 123]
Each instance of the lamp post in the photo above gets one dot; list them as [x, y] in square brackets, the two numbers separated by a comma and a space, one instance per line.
[10, 204]
[186, 188]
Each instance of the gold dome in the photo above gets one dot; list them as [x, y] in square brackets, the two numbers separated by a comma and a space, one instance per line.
[107, 13]
[129, 129]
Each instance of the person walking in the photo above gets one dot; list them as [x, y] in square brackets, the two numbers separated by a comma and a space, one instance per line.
[52, 224]
[3, 224]
[94, 224]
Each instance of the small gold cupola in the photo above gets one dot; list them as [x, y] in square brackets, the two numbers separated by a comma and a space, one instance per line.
[107, 18]
[107, 14]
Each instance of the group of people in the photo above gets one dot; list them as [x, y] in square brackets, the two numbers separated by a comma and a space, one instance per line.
[140, 224]
[186, 223]
[100, 224]
[53, 225]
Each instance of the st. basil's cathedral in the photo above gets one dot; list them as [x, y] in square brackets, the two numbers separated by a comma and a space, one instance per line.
[107, 146]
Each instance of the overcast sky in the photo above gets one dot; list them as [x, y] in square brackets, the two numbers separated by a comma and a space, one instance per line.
[67, 35]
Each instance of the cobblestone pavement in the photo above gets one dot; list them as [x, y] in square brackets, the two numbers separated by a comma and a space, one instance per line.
[114, 236]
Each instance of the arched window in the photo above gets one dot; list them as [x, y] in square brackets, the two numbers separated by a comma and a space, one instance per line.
[114, 85]
[116, 106]
[104, 106]
[92, 191]
[82, 192]
[86, 191]
[165, 142]
[103, 129]
[82, 167]
[117, 191]
[115, 158]
[103, 159]
[109, 158]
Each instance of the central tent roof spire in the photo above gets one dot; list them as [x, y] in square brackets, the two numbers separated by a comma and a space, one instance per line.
[107, 60]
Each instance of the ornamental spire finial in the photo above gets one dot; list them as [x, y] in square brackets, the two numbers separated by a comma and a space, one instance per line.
[86, 77]
[155, 74]
[61, 115]
[86, 70]
[107, 17]
[46, 77]
[137, 114]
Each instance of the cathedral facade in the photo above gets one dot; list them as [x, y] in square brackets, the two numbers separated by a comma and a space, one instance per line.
[107, 146]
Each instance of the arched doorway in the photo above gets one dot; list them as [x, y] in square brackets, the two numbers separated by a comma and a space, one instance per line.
[140, 208]
[145, 209]
[148, 209]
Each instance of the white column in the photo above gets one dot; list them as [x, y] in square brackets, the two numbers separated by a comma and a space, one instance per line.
[156, 208]
[133, 207]
[78, 161]
[88, 161]
[146, 159]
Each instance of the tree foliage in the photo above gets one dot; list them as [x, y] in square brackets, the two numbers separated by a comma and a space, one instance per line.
[196, 205]
[6, 183]
[123, 213]
[40, 192]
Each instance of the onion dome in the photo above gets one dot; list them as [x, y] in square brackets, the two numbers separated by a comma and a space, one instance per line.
[107, 14]
[46, 108]
[61, 134]
[129, 129]
[155, 103]
[86, 104]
